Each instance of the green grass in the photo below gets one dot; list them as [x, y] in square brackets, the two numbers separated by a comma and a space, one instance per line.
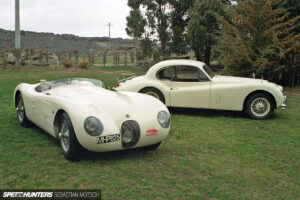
[207, 155]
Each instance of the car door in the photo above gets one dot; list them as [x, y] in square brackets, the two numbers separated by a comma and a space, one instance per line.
[164, 76]
[41, 110]
[190, 87]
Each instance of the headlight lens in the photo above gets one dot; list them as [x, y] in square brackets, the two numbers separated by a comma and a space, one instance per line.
[93, 126]
[163, 118]
[127, 136]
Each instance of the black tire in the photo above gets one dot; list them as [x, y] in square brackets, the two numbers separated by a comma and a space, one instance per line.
[69, 144]
[259, 106]
[21, 113]
[154, 92]
[152, 147]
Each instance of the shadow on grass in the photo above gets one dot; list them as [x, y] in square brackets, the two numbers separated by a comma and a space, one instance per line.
[207, 112]
[86, 155]
[221, 113]
[136, 153]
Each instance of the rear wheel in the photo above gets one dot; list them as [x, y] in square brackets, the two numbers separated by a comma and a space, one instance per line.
[22, 118]
[154, 92]
[259, 106]
[69, 144]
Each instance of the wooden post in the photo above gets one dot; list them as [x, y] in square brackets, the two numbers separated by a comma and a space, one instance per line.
[76, 54]
[125, 58]
[118, 58]
[31, 56]
[46, 53]
[5, 59]
[40, 55]
[104, 58]
[92, 56]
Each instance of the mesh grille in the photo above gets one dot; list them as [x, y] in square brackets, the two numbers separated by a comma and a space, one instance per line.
[134, 128]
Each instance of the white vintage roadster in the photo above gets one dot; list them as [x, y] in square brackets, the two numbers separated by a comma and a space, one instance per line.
[192, 84]
[79, 112]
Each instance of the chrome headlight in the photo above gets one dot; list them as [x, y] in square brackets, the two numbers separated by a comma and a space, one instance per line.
[163, 119]
[93, 126]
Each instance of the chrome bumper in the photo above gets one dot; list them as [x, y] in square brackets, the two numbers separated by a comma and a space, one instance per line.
[283, 105]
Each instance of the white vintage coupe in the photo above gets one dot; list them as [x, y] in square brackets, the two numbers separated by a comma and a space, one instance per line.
[79, 112]
[192, 84]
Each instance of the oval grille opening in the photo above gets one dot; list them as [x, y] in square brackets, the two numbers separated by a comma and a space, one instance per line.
[131, 132]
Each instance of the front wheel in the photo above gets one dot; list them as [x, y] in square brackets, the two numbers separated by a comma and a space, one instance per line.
[68, 141]
[259, 106]
[22, 118]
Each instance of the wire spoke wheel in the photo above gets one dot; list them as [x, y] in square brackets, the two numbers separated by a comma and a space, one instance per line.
[21, 110]
[65, 136]
[260, 106]
[68, 142]
[152, 94]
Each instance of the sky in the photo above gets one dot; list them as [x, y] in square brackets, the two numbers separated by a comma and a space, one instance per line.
[86, 18]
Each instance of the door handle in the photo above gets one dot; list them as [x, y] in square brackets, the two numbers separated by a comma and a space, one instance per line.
[174, 88]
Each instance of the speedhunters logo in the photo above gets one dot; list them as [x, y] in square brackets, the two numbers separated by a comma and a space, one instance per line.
[27, 194]
[50, 194]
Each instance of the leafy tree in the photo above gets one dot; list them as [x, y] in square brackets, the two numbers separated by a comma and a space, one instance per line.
[154, 21]
[157, 17]
[259, 39]
[203, 27]
[135, 21]
[292, 10]
[147, 46]
[179, 20]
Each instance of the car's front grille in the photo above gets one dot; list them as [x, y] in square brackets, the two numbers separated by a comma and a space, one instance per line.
[132, 127]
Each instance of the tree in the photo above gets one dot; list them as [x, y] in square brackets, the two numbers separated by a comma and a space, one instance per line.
[259, 39]
[292, 10]
[146, 46]
[135, 21]
[203, 27]
[154, 21]
[179, 20]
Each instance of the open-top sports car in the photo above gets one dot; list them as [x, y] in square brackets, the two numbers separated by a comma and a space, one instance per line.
[80, 112]
[192, 84]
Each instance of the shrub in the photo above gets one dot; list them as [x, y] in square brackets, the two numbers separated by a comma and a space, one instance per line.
[82, 64]
[67, 63]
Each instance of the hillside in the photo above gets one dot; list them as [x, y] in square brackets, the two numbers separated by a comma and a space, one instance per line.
[60, 43]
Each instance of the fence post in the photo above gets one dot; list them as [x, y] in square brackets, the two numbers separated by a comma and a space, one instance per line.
[125, 58]
[31, 56]
[76, 54]
[46, 53]
[132, 57]
[104, 58]
[5, 59]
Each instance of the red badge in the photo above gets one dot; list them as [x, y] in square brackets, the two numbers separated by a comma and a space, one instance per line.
[152, 132]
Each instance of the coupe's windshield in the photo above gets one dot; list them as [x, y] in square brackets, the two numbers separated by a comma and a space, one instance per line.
[209, 71]
[44, 86]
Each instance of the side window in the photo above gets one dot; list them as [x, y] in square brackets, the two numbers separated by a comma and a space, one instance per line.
[202, 76]
[186, 73]
[164, 74]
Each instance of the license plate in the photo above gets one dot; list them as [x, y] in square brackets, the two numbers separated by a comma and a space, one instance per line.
[109, 138]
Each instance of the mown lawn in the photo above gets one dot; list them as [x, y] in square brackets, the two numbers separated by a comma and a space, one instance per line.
[207, 155]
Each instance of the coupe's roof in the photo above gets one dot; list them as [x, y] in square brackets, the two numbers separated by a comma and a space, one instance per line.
[151, 73]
